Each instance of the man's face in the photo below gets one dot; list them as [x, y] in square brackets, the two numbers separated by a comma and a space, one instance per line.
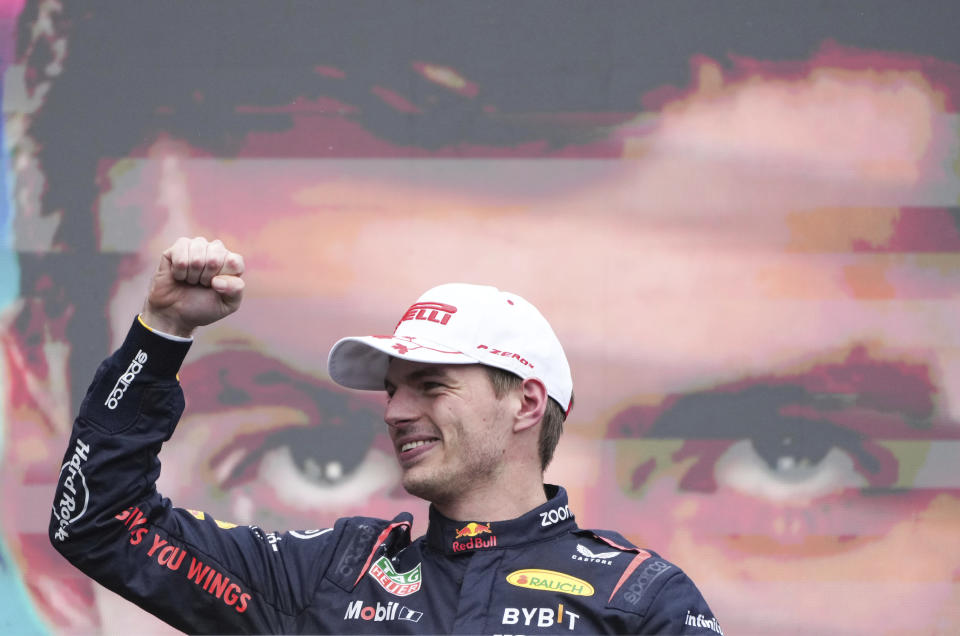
[448, 427]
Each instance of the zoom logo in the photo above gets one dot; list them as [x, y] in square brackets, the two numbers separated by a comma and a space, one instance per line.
[556, 515]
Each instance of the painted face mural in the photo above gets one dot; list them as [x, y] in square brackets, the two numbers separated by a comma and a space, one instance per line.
[747, 242]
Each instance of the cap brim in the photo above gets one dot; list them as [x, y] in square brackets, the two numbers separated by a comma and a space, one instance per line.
[361, 362]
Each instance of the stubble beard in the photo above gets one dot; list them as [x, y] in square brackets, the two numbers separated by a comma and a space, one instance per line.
[426, 485]
[443, 484]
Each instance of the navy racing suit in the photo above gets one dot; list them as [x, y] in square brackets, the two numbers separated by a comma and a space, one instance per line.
[536, 574]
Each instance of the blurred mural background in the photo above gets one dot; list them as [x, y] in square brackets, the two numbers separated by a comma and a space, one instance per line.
[741, 218]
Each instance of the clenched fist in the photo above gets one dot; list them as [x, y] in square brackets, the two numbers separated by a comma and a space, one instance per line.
[197, 282]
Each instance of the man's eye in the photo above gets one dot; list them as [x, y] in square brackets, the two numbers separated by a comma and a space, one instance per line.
[431, 387]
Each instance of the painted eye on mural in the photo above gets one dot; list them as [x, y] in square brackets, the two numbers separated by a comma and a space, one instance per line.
[795, 459]
[833, 429]
[286, 437]
[305, 467]
[747, 440]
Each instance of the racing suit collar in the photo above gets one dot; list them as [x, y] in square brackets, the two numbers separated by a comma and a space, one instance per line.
[463, 537]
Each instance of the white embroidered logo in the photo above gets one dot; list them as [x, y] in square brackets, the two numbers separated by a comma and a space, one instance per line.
[586, 554]
[599, 555]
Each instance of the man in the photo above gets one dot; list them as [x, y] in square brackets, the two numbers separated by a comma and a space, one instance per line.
[684, 437]
[478, 386]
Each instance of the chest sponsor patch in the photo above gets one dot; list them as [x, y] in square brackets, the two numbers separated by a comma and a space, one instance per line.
[397, 583]
[542, 617]
[361, 610]
[550, 581]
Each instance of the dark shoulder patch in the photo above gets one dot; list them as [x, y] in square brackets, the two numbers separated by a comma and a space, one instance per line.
[640, 579]
[360, 538]
[357, 537]
[640, 583]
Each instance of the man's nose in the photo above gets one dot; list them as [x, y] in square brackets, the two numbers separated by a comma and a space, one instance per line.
[401, 408]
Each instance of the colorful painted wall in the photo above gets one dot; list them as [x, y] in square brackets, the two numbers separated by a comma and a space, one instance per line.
[741, 218]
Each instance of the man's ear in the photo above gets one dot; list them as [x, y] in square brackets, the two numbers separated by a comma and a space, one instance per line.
[533, 402]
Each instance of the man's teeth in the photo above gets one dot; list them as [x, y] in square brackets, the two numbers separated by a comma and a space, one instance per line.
[412, 445]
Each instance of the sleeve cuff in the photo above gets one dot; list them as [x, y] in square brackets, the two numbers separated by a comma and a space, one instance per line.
[164, 334]
[164, 352]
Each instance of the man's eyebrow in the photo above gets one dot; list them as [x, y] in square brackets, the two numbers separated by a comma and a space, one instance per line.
[419, 374]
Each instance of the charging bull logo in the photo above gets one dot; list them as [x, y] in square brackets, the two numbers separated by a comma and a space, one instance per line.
[469, 537]
[472, 529]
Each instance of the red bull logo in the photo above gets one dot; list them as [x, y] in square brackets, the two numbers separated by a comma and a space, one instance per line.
[473, 529]
[469, 537]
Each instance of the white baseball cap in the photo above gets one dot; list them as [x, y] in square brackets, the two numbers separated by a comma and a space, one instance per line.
[458, 323]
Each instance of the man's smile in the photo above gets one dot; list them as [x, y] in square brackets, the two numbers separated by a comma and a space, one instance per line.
[409, 448]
